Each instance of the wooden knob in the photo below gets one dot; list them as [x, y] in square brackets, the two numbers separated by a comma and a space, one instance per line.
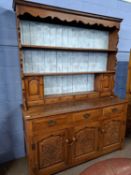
[73, 139]
[27, 116]
[102, 130]
[67, 140]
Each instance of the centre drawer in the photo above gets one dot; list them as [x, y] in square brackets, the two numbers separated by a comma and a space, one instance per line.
[90, 115]
[50, 123]
[113, 110]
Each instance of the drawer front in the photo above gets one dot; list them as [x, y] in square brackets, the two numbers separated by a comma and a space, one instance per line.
[66, 98]
[81, 97]
[52, 100]
[91, 115]
[113, 110]
[50, 123]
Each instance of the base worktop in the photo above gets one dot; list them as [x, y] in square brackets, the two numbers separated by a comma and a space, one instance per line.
[69, 107]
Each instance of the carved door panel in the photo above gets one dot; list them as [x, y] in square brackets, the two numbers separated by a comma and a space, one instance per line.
[34, 88]
[107, 85]
[51, 153]
[107, 82]
[85, 138]
[112, 134]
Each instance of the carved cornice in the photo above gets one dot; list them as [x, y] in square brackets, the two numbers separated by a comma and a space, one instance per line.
[44, 11]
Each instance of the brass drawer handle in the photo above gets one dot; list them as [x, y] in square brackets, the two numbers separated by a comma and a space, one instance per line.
[51, 122]
[114, 110]
[86, 116]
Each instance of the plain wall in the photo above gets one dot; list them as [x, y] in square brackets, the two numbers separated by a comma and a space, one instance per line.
[11, 128]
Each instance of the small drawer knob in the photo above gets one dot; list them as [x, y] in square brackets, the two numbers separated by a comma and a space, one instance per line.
[67, 140]
[73, 139]
[102, 130]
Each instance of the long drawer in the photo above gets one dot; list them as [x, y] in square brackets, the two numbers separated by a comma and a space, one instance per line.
[113, 110]
[50, 123]
[90, 115]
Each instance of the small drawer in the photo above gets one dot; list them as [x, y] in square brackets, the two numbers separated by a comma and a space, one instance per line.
[52, 100]
[52, 122]
[91, 115]
[113, 110]
[66, 98]
[81, 97]
[93, 95]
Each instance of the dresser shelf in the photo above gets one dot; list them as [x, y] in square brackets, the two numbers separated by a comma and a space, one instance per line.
[66, 73]
[67, 48]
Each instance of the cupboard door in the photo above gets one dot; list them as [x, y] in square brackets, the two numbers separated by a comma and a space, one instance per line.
[112, 134]
[105, 84]
[86, 144]
[34, 88]
[51, 152]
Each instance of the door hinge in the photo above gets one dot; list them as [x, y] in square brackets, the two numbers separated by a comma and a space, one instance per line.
[33, 146]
